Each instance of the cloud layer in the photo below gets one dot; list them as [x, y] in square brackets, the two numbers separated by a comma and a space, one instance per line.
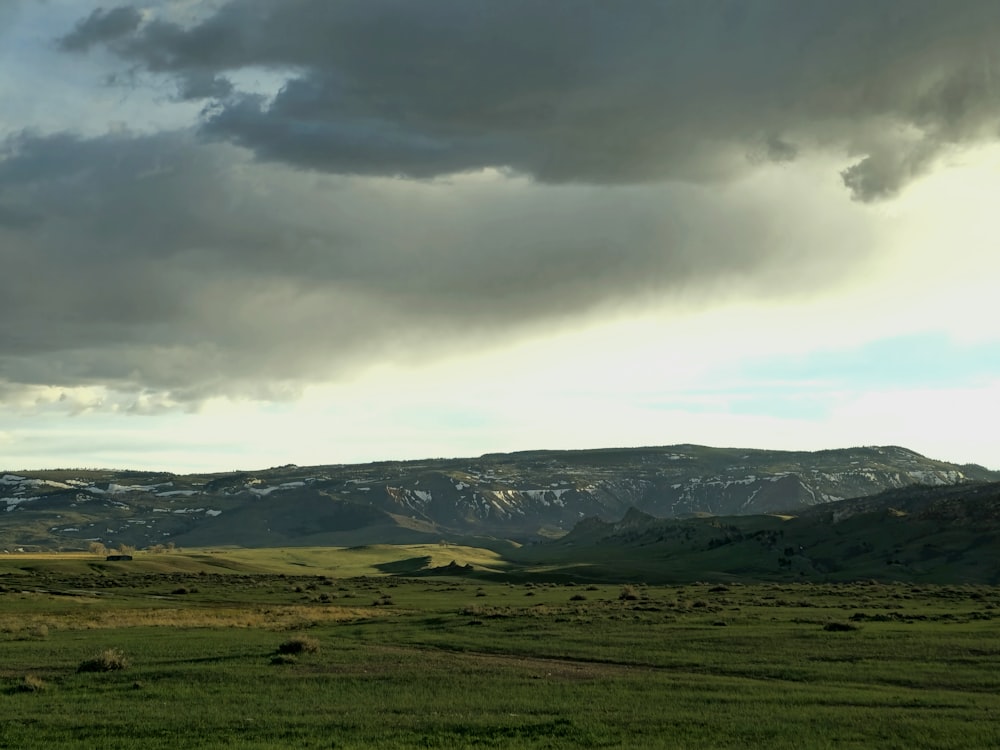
[157, 262]
[372, 181]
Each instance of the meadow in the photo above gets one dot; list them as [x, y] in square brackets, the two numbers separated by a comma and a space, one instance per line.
[320, 648]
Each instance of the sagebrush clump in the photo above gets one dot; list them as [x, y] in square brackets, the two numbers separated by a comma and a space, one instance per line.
[628, 593]
[300, 644]
[109, 660]
[31, 684]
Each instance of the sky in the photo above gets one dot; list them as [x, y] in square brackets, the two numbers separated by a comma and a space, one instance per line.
[243, 233]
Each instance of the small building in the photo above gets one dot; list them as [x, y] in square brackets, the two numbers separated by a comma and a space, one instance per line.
[118, 558]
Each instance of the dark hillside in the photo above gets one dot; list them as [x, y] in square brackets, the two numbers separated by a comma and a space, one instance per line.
[929, 534]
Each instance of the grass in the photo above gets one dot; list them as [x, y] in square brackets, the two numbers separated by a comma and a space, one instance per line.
[261, 660]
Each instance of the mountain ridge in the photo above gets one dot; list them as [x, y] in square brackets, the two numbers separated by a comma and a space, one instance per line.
[527, 495]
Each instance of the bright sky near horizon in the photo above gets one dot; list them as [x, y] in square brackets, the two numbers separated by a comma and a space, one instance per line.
[238, 234]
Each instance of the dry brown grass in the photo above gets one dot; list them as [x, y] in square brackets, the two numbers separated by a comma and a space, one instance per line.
[278, 618]
[25, 556]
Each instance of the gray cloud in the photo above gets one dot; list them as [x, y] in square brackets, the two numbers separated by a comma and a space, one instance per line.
[203, 85]
[9, 12]
[172, 269]
[569, 91]
[17, 217]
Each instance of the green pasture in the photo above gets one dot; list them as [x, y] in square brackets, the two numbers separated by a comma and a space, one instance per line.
[396, 647]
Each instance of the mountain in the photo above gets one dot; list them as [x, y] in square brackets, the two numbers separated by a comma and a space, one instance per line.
[943, 534]
[525, 496]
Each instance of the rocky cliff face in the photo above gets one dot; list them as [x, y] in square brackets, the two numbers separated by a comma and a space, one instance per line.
[521, 495]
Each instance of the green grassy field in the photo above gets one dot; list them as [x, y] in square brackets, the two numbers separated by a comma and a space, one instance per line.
[457, 661]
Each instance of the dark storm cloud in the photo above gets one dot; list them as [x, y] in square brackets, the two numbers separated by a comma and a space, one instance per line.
[263, 250]
[585, 91]
[157, 264]
[101, 26]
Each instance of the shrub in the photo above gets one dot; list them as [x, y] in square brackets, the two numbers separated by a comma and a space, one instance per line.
[578, 598]
[628, 593]
[300, 644]
[31, 684]
[109, 660]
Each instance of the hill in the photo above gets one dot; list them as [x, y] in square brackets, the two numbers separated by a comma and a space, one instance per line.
[524, 496]
[922, 534]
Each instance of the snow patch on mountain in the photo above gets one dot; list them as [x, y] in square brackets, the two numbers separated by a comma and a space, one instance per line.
[264, 491]
[23, 483]
[935, 477]
[14, 502]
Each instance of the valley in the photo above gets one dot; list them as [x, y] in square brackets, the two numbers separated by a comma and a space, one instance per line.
[323, 648]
